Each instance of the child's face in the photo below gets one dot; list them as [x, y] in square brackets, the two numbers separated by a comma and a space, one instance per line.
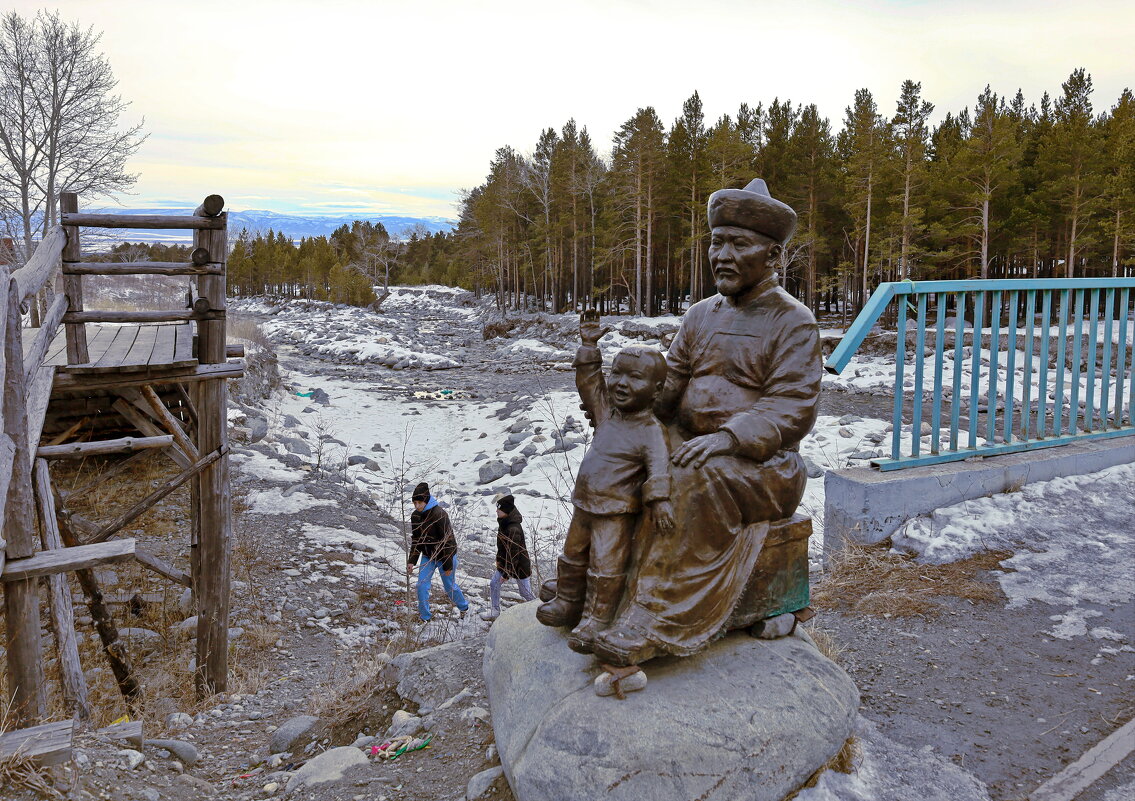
[633, 383]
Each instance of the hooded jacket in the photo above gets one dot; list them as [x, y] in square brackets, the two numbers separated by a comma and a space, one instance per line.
[431, 536]
[512, 552]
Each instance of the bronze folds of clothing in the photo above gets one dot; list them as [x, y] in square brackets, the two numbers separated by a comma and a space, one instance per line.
[686, 582]
[749, 366]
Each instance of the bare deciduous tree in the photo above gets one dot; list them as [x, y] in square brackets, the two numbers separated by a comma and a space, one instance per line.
[60, 122]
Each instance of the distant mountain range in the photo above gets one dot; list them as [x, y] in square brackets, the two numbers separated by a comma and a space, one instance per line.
[295, 226]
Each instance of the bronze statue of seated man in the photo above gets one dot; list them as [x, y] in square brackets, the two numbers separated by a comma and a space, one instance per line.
[741, 391]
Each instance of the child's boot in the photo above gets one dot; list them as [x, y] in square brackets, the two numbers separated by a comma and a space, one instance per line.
[566, 608]
[603, 596]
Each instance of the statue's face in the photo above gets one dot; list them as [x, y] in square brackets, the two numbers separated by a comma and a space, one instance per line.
[740, 258]
[633, 384]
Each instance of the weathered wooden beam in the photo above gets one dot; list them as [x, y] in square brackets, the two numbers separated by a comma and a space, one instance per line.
[39, 395]
[35, 273]
[149, 428]
[64, 560]
[7, 459]
[73, 284]
[33, 359]
[62, 614]
[21, 601]
[160, 221]
[71, 382]
[129, 731]
[169, 422]
[162, 568]
[187, 403]
[46, 745]
[139, 268]
[62, 437]
[211, 206]
[81, 450]
[234, 351]
[165, 489]
[166, 316]
[115, 651]
[214, 519]
[126, 597]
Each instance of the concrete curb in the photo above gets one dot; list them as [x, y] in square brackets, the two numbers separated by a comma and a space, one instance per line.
[1081, 774]
[865, 505]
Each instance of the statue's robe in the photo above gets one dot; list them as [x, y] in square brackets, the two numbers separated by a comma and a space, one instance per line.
[750, 367]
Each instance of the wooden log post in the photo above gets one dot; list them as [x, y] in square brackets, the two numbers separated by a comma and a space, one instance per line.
[21, 601]
[104, 624]
[7, 447]
[73, 284]
[211, 574]
[62, 614]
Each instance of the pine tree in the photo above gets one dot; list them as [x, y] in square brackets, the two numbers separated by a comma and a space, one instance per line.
[911, 134]
[1119, 183]
[986, 165]
[1070, 159]
[637, 163]
[809, 184]
[688, 159]
[862, 145]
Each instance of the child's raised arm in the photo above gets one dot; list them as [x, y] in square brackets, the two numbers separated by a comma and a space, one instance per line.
[589, 368]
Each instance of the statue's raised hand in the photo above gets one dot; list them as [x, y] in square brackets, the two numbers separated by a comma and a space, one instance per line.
[696, 451]
[590, 329]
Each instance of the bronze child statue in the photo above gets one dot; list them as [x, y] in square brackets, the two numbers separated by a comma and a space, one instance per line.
[627, 465]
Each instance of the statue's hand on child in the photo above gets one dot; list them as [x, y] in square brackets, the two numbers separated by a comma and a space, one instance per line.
[590, 329]
[662, 514]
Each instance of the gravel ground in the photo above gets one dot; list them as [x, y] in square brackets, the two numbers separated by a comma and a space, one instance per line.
[972, 683]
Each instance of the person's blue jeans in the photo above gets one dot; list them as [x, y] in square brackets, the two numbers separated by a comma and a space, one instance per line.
[449, 582]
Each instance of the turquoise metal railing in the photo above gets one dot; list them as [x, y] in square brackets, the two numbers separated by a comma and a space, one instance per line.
[1072, 379]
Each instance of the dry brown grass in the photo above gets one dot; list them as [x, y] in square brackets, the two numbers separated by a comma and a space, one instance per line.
[870, 580]
[165, 674]
[345, 697]
[826, 643]
[843, 762]
[18, 770]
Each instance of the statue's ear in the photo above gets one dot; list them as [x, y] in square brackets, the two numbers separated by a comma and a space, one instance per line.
[774, 254]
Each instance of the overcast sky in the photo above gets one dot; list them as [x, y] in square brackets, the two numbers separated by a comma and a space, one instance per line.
[393, 107]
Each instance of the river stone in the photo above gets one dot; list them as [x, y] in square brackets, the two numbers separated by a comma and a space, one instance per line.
[481, 782]
[186, 752]
[327, 767]
[432, 676]
[491, 471]
[292, 729]
[744, 720]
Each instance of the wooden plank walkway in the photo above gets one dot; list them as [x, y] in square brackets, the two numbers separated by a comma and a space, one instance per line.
[124, 348]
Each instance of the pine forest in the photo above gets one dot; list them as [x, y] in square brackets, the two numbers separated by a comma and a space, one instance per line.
[1004, 188]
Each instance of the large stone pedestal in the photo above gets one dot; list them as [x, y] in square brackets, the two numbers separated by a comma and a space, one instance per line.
[745, 720]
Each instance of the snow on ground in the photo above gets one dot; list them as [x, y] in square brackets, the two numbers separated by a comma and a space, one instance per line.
[442, 442]
[275, 501]
[887, 770]
[1056, 560]
[263, 467]
[350, 334]
[865, 373]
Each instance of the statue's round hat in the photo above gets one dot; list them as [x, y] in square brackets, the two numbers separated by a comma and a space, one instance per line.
[753, 208]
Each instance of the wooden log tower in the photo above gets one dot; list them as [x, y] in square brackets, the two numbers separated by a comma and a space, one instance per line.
[157, 376]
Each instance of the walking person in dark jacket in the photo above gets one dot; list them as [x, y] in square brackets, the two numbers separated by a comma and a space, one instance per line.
[431, 537]
[512, 556]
